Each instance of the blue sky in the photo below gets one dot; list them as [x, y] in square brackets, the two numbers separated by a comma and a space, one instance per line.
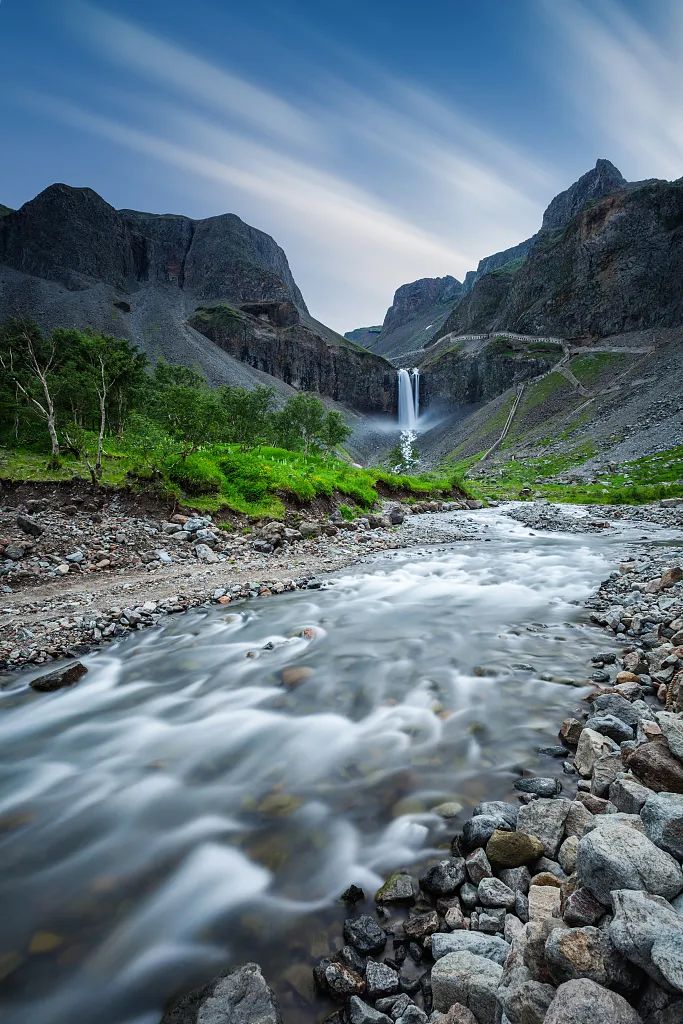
[377, 140]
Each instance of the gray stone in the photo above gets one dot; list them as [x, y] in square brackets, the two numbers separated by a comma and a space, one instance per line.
[469, 980]
[412, 1015]
[617, 856]
[491, 947]
[539, 786]
[494, 893]
[605, 771]
[672, 727]
[468, 896]
[591, 746]
[610, 725]
[498, 809]
[618, 706]
[240, 996]
[342, 981]
[524, 1000]
[358, 1011]
[545, 820]
[648, 932]
[479, 829]
[627, 794]
[518, 879]
[205, 554]
[381, 980]
[584, 1002]
[568, 853]
[364, 934]
[394, 1005]
[444, 878]
[662, 816]
[29, 526]
[15, 552]
[458, 1014]
[578, 819]
[478, 866]
[398, 888]
[588, 953]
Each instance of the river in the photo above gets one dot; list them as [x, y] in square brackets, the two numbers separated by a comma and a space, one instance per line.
[206, 792]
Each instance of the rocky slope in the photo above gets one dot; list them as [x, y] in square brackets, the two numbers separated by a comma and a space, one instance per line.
[418, 309]
[68, 258]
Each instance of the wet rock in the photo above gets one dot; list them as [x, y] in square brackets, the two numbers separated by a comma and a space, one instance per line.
[479, 829]
[649, 933]
[358, 1013]
[585, 1002]
[570, 731]
[617, 856]
[617, 706]
[394, 1005]
[354, 894]
[380, 980]
[662, 816]
[588, 953]
[545, 820]
[59, 678]
[491, 947]
[610, 725]
[398, 888]
[498, 809]
[444, 878]
[364, 934]
[539, 786]
[494, 893]
[591, 746]
[342, 981]
[240, 996]
[469, 980]
[421, 925]
[582, 908]
[513, 849]
[656, 767]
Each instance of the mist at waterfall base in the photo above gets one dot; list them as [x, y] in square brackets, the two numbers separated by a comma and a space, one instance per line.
[183, 809]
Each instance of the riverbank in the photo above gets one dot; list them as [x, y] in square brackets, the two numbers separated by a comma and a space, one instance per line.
[566, 906]
[79, 572]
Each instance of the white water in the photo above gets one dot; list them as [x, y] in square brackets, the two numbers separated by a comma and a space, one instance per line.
[408, 399]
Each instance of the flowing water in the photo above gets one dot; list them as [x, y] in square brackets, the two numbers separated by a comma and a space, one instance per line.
[184, 808]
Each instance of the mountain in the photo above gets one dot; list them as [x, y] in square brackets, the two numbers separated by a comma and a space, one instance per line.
[68, 258]
[5, 210]
[418, 309]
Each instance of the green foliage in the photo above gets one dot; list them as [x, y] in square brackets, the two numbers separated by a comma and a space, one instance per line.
[304, 424]
[195, 474]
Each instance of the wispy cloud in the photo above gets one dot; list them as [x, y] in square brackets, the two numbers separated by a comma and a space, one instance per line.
[364, 193]
[626, 79]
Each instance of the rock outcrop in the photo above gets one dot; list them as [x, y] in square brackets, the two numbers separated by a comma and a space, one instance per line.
[418, 310]
[68, 258]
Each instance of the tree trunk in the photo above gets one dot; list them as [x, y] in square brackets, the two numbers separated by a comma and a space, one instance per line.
[54, 440]
[100, 438]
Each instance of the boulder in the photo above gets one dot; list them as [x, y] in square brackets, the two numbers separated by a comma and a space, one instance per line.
[364, 934]
[588, 953]
[662, 816]
[672, 728]
[398, 888]
[469, 980]
[544, 902]
[358, 1011]
[656, 767]
[627, 794]
[444, 878]
[240, 996]
[617, 856]
[491, 947]
[523, 999]
[513, 849]
[545, 820]
[591, 746]
[610, 725]
[579, 818]
[647, 931]
[584, 1002]
[458, 1014]
[494, 893]
[59, 678]
[381, 980]
[581, 908]
[479, 829]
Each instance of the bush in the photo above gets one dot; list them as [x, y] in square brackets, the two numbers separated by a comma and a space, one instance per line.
[196, 474]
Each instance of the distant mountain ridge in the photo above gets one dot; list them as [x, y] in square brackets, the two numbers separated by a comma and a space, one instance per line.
[487, 299]
[68, 258]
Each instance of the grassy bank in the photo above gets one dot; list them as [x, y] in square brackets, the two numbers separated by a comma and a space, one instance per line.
[257, 483]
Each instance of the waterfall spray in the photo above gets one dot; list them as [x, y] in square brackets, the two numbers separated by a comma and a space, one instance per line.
[408, 399]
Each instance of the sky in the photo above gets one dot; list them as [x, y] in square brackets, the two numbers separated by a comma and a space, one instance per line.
[378, 141]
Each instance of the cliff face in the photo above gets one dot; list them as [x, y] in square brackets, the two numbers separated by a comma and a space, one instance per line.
[272, 338]
[418, 309]
[68, 258]
[615, 267]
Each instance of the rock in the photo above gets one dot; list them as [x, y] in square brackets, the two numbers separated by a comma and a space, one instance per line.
[309, 529]
[468, 896]
[354, 894]
[381, 980]
[412, 1015]
[617, 706]
[498, 809]
[545, 820]
[648, 932]
[539, 787]
[518, 879]
[584, 1002]
[15, 552]
[398, 888]
[567, 854]
[610, 725]
[240, 996]
[627, 794]
[204, 553]
[421, 925]
[513, 849]
[458, 1014]
[672, 728]
[29, 526]
[570, 731]
[656, 767]
[582, 908]
[469, 980]
[662, 816]
[394, 1005]
[364, 934]
[548, 878]
[478, 866]
[588, 953]
[454, 918]
[494, 893]
[479, 829]
[544, 902]
[342, 981]
[491, 947]
[358, 1012]
[617, 856]
[449, 809]
[59, 678]
[292, 676]
[605, 771]
[444, 878]
[591, 746]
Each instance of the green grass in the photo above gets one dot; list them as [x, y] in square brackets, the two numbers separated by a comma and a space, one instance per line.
[215, 316]
[642, 480]
[257, 483]
[591, 367]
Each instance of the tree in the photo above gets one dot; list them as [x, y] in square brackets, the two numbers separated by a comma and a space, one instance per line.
[181, 401]
[304, 424]
[246, 414]
[32, 363]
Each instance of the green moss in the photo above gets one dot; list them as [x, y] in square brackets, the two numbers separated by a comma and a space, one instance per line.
[216, 316]
[589, 368]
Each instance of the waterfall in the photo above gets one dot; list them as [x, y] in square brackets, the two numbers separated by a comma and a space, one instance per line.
[408, 399]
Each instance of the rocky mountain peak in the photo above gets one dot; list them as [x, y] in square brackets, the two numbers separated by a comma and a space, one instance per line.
[601, 180]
